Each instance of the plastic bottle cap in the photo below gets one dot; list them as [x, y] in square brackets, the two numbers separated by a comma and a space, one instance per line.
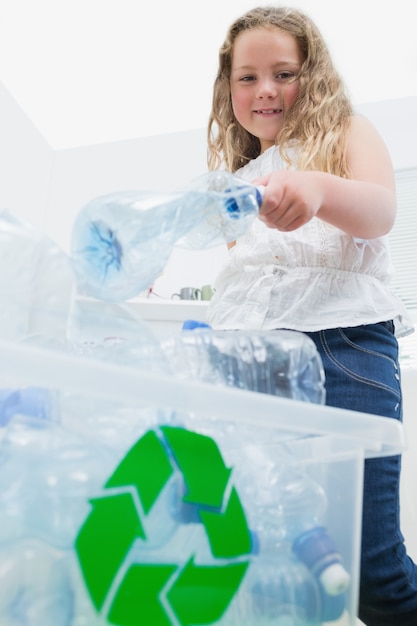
[335, 579]
[191, 324]
[260, 189]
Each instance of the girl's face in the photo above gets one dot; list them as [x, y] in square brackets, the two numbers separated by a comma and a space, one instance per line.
[264, 65]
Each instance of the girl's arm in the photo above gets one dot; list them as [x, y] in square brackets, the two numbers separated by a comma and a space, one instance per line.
[363, 206]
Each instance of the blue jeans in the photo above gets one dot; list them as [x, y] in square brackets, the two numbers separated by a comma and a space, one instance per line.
[362, 374]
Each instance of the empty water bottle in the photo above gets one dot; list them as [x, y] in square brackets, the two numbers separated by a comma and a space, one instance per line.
[36, 585]
[121, 242]
[31, 401]
[278, 590]
[46, 475]
[301, 504]
[281, 363]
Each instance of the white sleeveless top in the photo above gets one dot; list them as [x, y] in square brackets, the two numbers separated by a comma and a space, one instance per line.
[316, 277]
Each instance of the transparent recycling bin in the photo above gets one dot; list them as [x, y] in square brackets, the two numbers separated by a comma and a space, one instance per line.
[141, 499]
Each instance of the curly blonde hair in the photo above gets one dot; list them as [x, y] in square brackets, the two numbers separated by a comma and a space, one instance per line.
[317, 122]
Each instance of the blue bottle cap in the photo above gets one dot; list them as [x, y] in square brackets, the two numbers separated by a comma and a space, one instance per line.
[192, 324]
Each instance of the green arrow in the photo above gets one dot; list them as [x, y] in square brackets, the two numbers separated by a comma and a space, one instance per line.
[201, 594]
[147, 467]
[104, 541]
[138, 597]
[201, 463]
[228, 532]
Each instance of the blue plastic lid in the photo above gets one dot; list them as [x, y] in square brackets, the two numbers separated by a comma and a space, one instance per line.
[191, 324]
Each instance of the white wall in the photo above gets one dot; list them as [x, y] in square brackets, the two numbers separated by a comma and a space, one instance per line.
[395, 121]
[159, 163]
[26, 163]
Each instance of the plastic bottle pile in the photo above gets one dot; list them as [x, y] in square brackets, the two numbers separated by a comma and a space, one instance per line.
[122, 514]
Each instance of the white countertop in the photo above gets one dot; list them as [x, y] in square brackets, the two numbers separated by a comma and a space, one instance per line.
[154, 308]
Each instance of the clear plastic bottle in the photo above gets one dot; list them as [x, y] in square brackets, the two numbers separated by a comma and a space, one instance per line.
[47, 474]
[278, 590]
[31, 401]
[297, 576]
[281, 363]
[121, 242]
[301, 505]
[36, 586]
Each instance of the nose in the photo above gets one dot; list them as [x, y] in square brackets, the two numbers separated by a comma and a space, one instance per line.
[266, 89]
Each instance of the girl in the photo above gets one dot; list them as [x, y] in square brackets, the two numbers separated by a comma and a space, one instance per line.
[317, 259]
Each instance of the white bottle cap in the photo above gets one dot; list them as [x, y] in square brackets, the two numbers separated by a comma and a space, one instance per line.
[335, 579]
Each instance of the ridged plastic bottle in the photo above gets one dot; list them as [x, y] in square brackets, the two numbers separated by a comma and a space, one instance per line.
[121, 242]
[281, 363]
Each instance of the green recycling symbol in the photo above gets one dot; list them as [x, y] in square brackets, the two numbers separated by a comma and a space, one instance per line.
[150, 592]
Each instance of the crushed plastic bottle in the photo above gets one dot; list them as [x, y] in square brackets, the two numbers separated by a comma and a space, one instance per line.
[281, 363]
[121, 242]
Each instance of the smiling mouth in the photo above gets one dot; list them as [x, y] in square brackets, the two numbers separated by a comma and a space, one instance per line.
[267, 111]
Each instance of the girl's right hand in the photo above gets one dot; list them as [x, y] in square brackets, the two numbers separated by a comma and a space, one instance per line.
[291, 198]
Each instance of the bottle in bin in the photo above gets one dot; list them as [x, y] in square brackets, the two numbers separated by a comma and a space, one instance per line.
[296, 575]
[302, 503]
[281, 363]
[278, 590]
